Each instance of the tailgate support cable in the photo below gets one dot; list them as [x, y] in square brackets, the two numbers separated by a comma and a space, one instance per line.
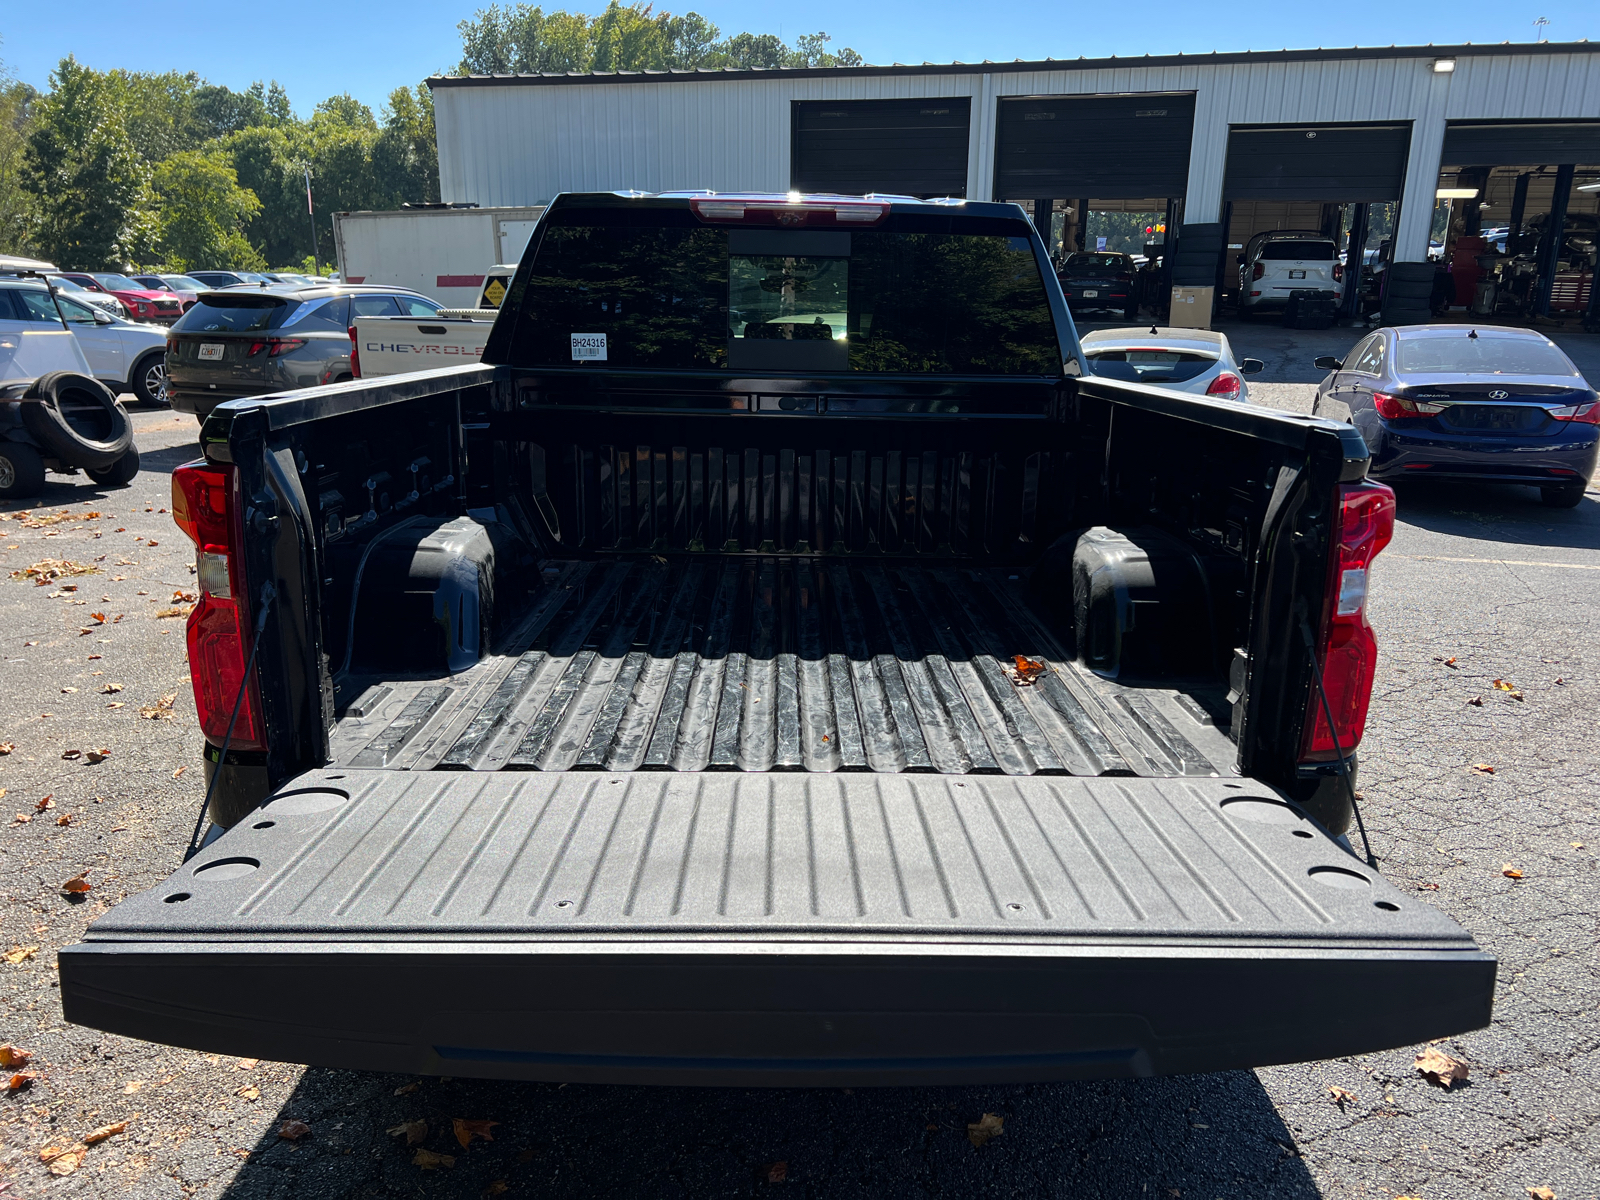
[268, 595]
[1333, 732]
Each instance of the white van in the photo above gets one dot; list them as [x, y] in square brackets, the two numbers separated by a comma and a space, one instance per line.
[1280, 262]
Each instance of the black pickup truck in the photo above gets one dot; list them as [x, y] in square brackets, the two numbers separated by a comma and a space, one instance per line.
[778, 663]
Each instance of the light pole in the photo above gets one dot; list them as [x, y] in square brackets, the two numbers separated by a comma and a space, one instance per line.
[316, 262]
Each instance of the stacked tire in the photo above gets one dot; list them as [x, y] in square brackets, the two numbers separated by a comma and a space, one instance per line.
[76, 421]
[1408, 294]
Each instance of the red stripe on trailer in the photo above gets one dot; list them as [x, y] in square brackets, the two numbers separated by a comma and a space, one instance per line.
[460, 281]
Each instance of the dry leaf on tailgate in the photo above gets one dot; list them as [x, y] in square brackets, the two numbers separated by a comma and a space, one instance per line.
[20, 954]
[467, 1130]
[412, 1131]
[1439, 1068]
[1510, 872]
[989, 1126]
[429, 1161]
[77, 884]
[777, 1172]
[1342, 1096]
[293, 1131]
[60, 1160]
[104, 1132]
[1541, 1193]
[1028, 668]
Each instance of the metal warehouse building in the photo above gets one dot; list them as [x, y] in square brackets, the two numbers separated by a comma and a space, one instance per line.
[1219, 145]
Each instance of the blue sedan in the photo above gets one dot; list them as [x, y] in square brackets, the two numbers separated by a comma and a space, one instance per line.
[1487, 403]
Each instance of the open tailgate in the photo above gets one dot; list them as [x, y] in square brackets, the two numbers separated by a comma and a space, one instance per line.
[783, 929]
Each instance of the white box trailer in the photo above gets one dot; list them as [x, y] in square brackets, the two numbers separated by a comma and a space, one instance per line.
[441, 252]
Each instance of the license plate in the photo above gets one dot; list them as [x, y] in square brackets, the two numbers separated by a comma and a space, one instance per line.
[1090, 295]
[1297, 274]
[211, 351]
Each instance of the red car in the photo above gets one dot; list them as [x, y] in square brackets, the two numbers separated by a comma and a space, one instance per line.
[142, 303]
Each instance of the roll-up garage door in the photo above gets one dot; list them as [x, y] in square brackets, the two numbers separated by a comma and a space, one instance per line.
[905, 147]
[1521, 144]
[1104, 147]
[1341, 164]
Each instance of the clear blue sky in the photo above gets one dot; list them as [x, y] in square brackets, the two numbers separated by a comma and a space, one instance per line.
[368, 47]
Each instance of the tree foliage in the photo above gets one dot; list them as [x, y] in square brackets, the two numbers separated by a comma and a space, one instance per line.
[203, 212]
[17, 102]
[524, 39]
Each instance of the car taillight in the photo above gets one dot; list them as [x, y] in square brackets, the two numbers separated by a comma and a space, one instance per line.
[1394, 408]
[205, 506]
[275, 346]
[1225, 385]
[1258, 271]
[1346, 647]
[1584, 414]
[1338, 272]
[172, 345]
[355, 355]
[789, 213]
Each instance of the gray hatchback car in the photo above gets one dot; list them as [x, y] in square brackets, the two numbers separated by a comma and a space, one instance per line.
[248, 341]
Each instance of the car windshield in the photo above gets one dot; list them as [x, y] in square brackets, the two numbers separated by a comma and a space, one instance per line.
[1484, 354]
[1096, 262]
[233, 314]
[67, 285]
[1302, 251]
[665, 291]
[1149, 364]
[118, 283]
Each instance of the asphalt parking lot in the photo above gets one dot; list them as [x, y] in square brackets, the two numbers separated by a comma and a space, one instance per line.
[1480, 584]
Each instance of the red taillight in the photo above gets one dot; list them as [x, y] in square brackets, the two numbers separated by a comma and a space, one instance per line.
[205, 507]
[788, 213]
[1259, 270]
[1395, 408]
[355, 355]
[1225, 385]
[1584, 414]
[1338, 272]
[1346, 646]
[275, 346]
[172, 345]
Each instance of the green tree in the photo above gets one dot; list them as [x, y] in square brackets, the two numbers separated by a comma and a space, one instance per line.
[203, 211]
[17, 104]
[91, 184]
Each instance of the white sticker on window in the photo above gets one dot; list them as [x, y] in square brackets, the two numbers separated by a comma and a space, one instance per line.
[589, 346]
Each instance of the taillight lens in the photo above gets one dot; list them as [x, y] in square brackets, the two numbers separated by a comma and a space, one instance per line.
[355, 355]
[1346, 646]
[1395, 408]
[172, 345]
[205, 506]
[1258, 271]
[1338, 272]
[275, 346]
[1584, 414]
[1226, 385]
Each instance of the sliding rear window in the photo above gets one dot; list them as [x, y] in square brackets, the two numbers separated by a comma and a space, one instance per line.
[235, 314]
[663, 291]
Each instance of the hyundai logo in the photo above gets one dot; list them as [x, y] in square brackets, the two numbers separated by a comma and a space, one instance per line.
[1499, 394]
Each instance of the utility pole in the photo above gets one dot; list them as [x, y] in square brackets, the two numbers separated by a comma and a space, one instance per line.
[1539, 25]
[316, 262]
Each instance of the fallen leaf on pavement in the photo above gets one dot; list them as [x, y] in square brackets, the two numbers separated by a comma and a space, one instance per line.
[249, 1091]
[249, 1064]
[1476, 702]
[48, 569]
[64, 819]
[293, 1131]
[178, 774]
[14, 1056]
[20, 954]
[1483, 768]
[1427, 887]
[63, 1160]
[161, 710]
[497, 1187]
[1510, 872]
[1576, 845]
[104, 1132]
[467, 1130]
[1449, 662]
[45, 802]
[399, 1091]
[990, 1126]
[412, 1131]
[111, 689]
[7, 747]
[22, 818]
[1439, 1068]
[1342, 1096]
[1506, 686]
[69, 691]
[118, 704]
[177, 610]
[98, 617]
[97, 756]
[22, 1079]
[1542, 1193]
[77, 884]
[777, 1172]
[69, 755]
[429, 1161]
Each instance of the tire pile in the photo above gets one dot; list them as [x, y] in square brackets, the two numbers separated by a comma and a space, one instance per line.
[64, 421]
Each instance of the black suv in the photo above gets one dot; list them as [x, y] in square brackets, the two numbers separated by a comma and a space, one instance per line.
[255, 341]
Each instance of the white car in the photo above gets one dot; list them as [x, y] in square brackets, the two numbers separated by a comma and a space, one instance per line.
[104, 301]
[1199, 361]
[1280, 262]
[124, 355]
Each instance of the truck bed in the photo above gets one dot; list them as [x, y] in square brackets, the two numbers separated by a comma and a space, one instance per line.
[761, 664]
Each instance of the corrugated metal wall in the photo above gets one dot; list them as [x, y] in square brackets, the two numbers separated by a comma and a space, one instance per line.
[522, 143]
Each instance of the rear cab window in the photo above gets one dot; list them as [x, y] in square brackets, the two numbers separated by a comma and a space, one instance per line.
[243, 313]
[657, 288]
[373, 306]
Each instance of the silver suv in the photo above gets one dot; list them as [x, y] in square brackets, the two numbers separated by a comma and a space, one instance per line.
[1281, 262]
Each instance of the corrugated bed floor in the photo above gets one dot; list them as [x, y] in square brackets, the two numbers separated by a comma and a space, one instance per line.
[763, 664]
